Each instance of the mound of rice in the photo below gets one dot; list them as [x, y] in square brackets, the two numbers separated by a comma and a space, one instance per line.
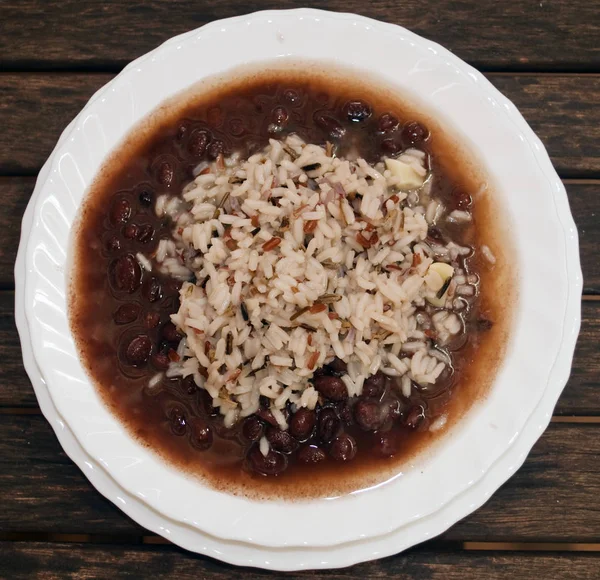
[293, 257]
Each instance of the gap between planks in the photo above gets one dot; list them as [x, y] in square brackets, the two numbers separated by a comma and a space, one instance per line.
[154, 540]
[116, 68]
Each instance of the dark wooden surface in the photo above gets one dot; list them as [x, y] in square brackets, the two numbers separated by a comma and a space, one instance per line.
[581, 396]
[96, 34]
[24, 560]
[551, 499]
[543, 54]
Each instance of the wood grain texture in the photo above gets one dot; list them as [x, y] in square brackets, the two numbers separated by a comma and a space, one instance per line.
[14, 193]
[47, 561]
[552, 498]
[580, 397]
[94, 33]
[562, 109]
[584, 199]
[559, 109]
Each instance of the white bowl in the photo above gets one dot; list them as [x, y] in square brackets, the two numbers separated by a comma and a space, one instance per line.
[435, 490]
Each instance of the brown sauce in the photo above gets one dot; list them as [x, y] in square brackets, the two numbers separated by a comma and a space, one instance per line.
[118, 220]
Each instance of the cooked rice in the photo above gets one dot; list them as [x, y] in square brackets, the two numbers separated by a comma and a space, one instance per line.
[264, 304]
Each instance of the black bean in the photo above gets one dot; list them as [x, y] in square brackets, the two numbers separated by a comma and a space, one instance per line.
[152, 319]
[145, 234]
[357, 111]
[343, 448]
[435, 234]
[461, 200]
[165, 173]
[374, 386]
[216, 148]
[182, 131]
[281, 440]
[386, 444]
[302, 423]
[201, 435]
[331, 126]
[387, 123]
[253, 428]
[267, 416]
[113, 244]
[279, 116]
[177, 420]
[120, 211]
[344, 411]
[173, 286]
[126, 313]
[328, 424]
[332, 388]
[413, 133]
[160, 361]
[415, 417]
[170, 332]
[338, 367]
[393, 407]
[311, 455]
[126, 274]
[198, 142]
[291, 96]
[146, 198]
[130, 231]
[138, 350]
[273, 463]
[368, 415]
[152, 289]
[189, 385]
[391, 146]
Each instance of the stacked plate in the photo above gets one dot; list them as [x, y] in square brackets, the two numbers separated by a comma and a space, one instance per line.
[435, 490]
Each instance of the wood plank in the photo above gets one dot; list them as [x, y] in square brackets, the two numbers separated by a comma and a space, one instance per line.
[45, 491]
[549, 498]
[560, 115]
[584, 198]
[552, 498]
[35, 110]
[99, 33]
[14, 193]
[561, 108]
[580, 396]
[50, 561]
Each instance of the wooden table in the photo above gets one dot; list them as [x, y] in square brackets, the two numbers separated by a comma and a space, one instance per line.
[543, 54]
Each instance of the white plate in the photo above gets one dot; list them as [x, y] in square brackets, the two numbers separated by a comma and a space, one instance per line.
[483, 450]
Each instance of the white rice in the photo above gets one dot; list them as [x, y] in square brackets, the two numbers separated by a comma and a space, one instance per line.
[261, 311]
